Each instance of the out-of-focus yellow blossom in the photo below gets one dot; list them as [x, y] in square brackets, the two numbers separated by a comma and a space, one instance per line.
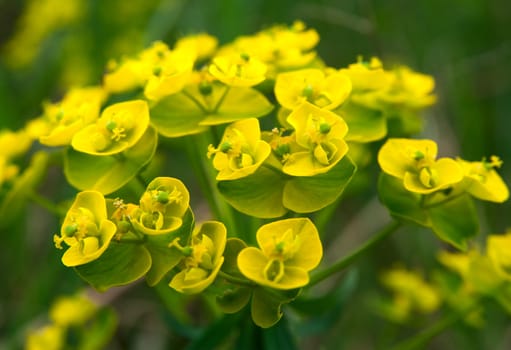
[328, 92]
[162, 206]
[499, 252]
[241, 150]
[288, 250]
[86, 229]
[171, 75]
[203, 258]
[414, 161]
[40, 19]
[367, 76]
[79, 108]
[280, 47]
[72, 310]
[411, 293]
[120, 126]
[14, 143]
[50, 337]
[320, 135]
[125, 75]
[238, 69]
[8, 171]
[202, 44]
[482, 181]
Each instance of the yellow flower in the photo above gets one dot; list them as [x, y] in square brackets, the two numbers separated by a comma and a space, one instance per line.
[162, 206]
[288, 250]
[414, 161]
[50, 337]
[86, 229]
[241, 150]
[293, 88]
[499, 252]
[79, 108]
[238, 70]
[366, 76]
[482, 181]
[72, 310]
[120, 126]
[320, 135]
[204, 45]
[204, 258]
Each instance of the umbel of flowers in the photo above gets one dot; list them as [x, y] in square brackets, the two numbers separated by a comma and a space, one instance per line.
[275, 134]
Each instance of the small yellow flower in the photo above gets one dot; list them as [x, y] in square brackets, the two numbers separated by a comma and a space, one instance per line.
[202, 44]
[499, 252]
[72, 310]
[49, 337]
[288, 250]
[238, 70]
[86, 229]
[120, 126]
[366, 76]
[414, 161]
[293, 88]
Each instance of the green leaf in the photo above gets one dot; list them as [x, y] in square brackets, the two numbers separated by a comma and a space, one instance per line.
[364, 124]
[177, 115]
[15, 199]
[265, 308]
[233, 299]
[107, 174]
[312, 193]
[100, 332]
[279, 337]
[120, 264]
[232, 249]
[401, 203]
[164, 258]
[239, 103]
[455, 221]
[213, 336]
[259, 194]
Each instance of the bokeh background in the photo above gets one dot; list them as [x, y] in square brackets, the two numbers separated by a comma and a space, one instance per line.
[47, 46]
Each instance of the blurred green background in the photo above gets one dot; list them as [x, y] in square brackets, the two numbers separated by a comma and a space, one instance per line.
[464, 44]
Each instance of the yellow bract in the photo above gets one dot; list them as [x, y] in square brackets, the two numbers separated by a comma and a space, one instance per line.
[85, 229]
[312, 85]
[120, 126]
[205, 257]
[202, 44]
[79, 108]
[238, 69]
[72, 310]
[499, 252]
[241, 150]
[320, 135]
[482, 181]
[366, 76]
[414, 161]
[50, 337]
[288, 250]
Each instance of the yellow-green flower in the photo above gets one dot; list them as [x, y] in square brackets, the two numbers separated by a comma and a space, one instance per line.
[482, 181]
[320, 134]
[238, 69]
[288, 250]
[72, 310]
[120, 126]
[366, 76]
[202, 44]
[171, 74]
[312, 85]
[499, 252]
[162, 206]
[79, 108]
[203, 258]
[49, 337]
[86, 229]
[241, 150]
[414, 161]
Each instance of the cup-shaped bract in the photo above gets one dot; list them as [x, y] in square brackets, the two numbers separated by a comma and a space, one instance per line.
[171, 75]
[86, 229]
[288, 250]
[312, 85]
[482, 181]
[162, 206]
[320, 135]
[120, 126]
[414, 161]
[238, 69]
[241, 150]
[205, 258]
[79, 108]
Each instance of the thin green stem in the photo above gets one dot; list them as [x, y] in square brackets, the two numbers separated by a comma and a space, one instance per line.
[130, 240]
[196, 101]
[420, 340]
[355, 254]
[46, 204]
[221, 99]
[235, 280]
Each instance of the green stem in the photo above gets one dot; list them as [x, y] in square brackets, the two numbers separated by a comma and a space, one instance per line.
[443, 201]
[420, 340]
[221, 99]
[235, 280]
[130, 240]
[197, 102]
[355, 254]
[46, 204]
